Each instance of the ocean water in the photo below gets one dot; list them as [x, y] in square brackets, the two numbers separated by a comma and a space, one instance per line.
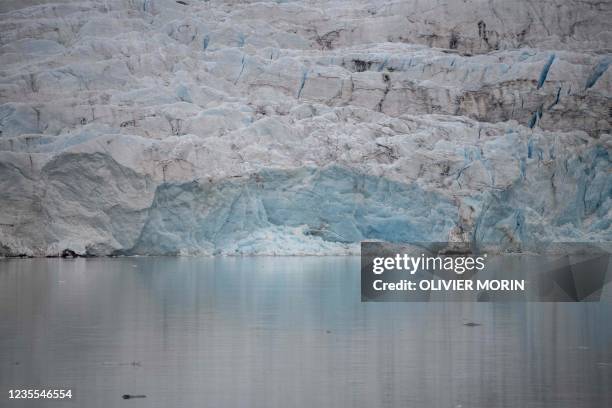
[283, 332]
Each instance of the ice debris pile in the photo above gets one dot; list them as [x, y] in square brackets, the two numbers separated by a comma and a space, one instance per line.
[302, 127]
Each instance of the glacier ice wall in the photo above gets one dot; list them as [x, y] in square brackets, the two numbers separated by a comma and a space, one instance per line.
[331, 203]
[204, 127]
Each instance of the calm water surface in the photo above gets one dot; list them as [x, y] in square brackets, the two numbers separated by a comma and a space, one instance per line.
[283, 332]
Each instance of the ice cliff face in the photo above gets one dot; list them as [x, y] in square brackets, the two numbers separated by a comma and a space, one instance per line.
[185, 127]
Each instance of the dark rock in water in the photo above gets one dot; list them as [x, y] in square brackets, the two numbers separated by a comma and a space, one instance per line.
[69, 253]
[471, 324]
[128, 396]
[9, 255]
[181, 2]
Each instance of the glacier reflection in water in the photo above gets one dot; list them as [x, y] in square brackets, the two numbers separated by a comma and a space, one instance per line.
[283, 332]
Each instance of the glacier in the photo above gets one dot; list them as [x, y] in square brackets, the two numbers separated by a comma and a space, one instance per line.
[156, 127]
